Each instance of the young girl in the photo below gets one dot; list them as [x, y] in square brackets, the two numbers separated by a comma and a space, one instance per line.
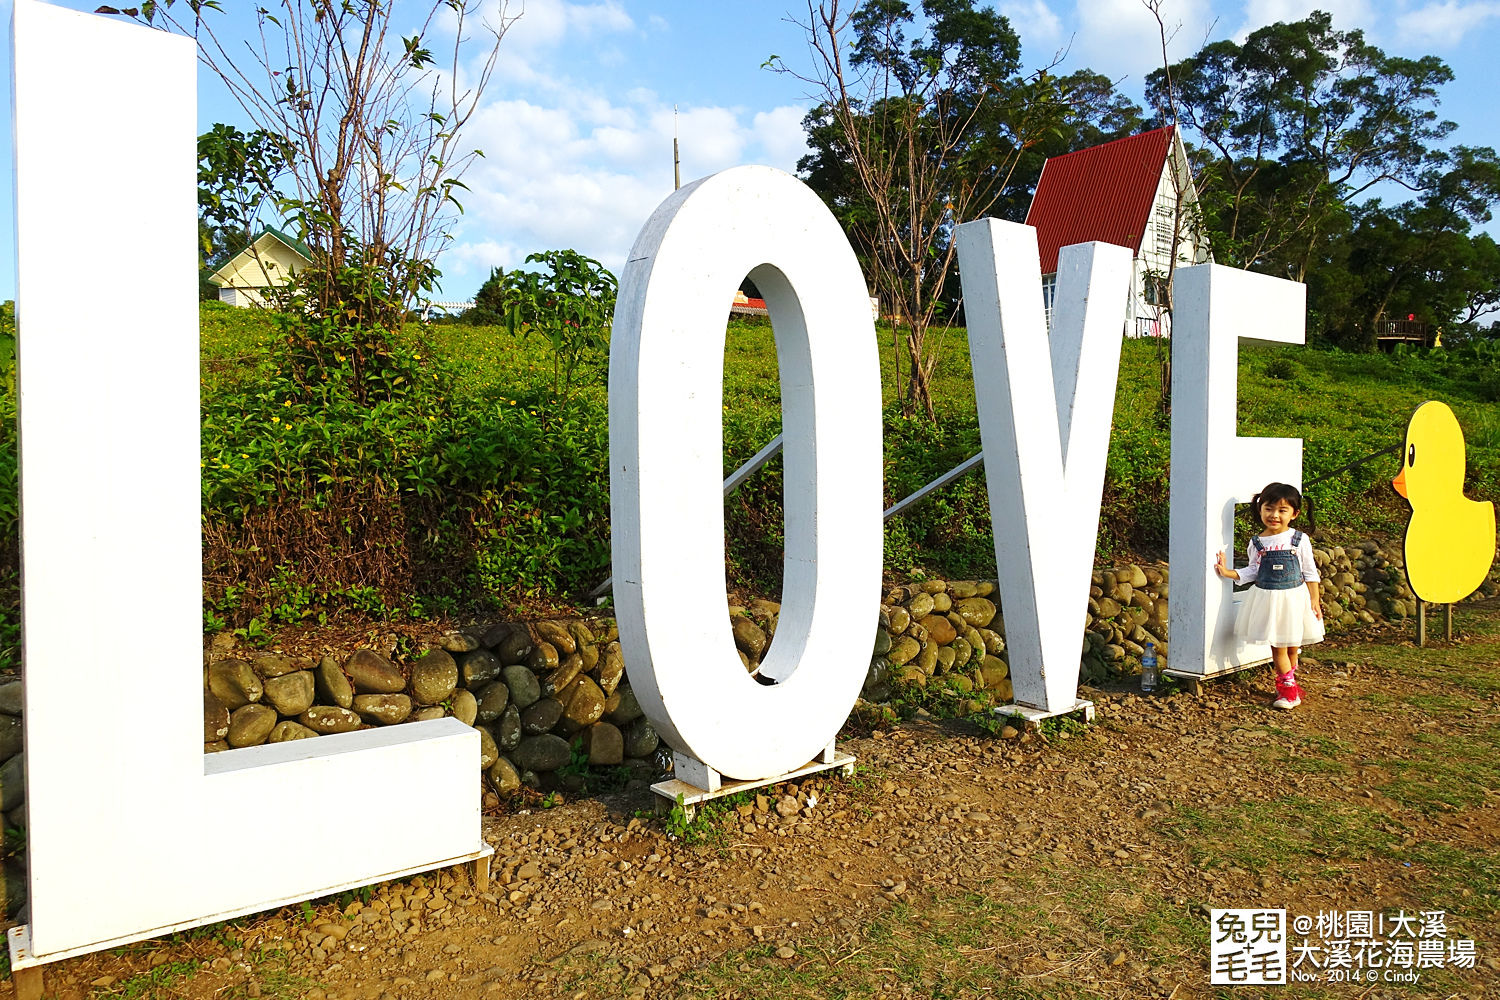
[1279, 610]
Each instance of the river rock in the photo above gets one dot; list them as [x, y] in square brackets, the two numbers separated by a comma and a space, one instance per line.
[429, 714]
[941, 604]
[291, 694]
[492, 701]
[250, 725]
[478, 667]
[386, 709]
[13, 782]
[434, 676]
[329, 719]
[489, 750]
[330, 686]
[270, 665]
[504, 778]
[927, 659]
[604, 744]
[629, 708]
[611, 668]
[507, 729]
[287, 730]
[584, 704]
[882, 642]
[993, 670]
[524, 687]
[900, 620]
[458, 642]
[10, 697]
[945, 658]
[215, 719]
[465, 706]
[903, 650]
[1108, 607]
[939, 629]
[920, 606]
[961, 652]
[540, 716]
[566, 672]
[641, 739]
[977, 611]
[545, 752]
[555, 634]
[749, 637]
[515, 647]
[234, 683]
[496, 634]
[372, 673]
[994, 643]
[582, 634]
[544, 657]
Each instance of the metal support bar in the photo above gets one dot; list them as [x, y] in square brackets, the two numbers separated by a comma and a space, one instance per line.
[735, 480]
[1421, 623]
[1448, 622]
[955, 473]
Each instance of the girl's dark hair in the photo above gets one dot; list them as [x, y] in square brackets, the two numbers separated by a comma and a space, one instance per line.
[1275, 492]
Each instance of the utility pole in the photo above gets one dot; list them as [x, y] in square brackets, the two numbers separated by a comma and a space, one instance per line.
[676, 155]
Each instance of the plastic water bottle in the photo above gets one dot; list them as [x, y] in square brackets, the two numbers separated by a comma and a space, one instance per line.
[1149, 673]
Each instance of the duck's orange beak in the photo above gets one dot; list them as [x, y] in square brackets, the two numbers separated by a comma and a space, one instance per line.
[1400, 482]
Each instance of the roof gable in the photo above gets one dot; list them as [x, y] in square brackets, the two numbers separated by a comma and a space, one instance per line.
[1100, 194]
[261, 244]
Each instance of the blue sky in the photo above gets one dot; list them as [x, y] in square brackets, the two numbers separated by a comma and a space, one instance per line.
[577, 123]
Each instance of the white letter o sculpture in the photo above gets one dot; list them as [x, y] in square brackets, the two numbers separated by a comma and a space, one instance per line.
[666, 471]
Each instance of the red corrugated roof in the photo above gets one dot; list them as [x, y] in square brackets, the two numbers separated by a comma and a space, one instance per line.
[1101, 194]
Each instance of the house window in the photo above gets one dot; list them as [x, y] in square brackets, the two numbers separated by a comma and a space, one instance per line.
[1166, 219]
[1049, 292]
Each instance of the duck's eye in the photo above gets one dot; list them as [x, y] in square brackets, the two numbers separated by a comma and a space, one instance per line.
[1411, 454]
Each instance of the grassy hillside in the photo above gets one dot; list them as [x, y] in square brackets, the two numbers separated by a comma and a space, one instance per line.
[1343, 406]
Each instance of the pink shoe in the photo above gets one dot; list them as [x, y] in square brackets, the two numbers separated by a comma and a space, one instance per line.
[1288, 692]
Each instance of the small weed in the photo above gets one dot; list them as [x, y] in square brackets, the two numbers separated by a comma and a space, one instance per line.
[551, 800]
[159, 978]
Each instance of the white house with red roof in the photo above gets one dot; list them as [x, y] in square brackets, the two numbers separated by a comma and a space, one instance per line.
[1134, 192]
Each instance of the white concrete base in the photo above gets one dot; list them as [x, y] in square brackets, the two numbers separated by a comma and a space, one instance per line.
[1038, 714]
[19, 938]
[694, 795]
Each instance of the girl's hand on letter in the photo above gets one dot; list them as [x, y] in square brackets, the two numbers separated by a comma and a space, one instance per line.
[1221, 567]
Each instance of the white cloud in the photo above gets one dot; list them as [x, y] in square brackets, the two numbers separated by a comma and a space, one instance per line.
[1346, 14]
[585, 173]
[1445, 23]
[1040, 29]
[1122, 39]
[781, 137]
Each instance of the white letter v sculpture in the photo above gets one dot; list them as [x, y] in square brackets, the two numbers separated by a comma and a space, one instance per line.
[1044, 419]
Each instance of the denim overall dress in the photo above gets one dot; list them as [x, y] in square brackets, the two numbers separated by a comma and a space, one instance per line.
[1279, 569]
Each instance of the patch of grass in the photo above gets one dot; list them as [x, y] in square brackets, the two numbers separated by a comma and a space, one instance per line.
[1294, 836]
[1462, 880]
[149, 984]
[1446, 771]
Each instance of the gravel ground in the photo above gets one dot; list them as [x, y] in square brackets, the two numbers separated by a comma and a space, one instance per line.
[594, 899]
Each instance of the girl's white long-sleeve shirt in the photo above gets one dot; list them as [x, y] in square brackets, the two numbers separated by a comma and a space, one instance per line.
[1283, 542]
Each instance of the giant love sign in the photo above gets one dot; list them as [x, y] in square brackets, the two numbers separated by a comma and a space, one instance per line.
[108, 386]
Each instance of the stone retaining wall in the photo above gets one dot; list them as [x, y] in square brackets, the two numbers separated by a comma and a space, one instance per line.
[549, 696]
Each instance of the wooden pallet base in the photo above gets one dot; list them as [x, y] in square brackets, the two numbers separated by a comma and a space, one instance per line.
[698, 783]
[1038, 714]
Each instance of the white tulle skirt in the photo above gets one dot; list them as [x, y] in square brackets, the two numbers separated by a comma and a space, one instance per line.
[1278, 617]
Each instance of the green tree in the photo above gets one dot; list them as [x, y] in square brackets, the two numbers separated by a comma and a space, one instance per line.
[1419, 258]
[1296, 123]
[237, 176]
[373, 118]
[921, 122]
[570, 301]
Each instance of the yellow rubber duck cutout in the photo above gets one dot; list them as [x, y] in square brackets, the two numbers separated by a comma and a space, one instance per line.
[1450, 539]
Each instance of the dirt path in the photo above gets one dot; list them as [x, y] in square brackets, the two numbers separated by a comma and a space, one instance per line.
[956, 863]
